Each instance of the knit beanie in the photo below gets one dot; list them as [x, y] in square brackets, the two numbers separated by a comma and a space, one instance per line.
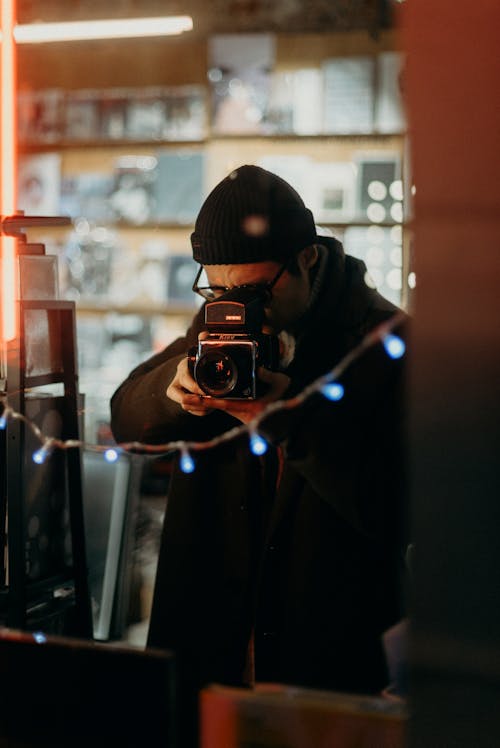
[251, 216]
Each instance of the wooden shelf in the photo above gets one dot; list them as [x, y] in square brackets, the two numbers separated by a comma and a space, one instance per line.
[189, 227]
[33, 147]
[152, 225]
[64, 145]
[293, 136]
[142, 309]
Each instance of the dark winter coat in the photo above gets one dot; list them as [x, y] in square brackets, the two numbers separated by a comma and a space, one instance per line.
[314, 569]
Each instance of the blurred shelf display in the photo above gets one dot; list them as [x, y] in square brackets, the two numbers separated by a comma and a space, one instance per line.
[131, 166]
[148, 114]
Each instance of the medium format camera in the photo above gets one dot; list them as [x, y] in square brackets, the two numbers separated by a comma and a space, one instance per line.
[225, 363]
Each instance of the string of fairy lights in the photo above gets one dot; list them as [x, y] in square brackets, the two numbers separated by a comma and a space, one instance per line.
[327, 385]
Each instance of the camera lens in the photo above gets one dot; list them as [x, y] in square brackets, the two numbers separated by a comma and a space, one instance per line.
[216, 373]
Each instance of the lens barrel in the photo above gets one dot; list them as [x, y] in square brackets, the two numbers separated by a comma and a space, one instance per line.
[216, 373]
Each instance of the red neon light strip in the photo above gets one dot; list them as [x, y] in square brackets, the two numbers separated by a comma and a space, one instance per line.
[8, 186]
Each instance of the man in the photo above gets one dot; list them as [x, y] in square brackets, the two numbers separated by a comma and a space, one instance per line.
[284, 567]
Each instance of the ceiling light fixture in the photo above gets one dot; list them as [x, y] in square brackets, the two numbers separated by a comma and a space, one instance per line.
[119, 28]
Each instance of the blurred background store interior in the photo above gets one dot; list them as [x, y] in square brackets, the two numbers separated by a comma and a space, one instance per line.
[127, 137]
[389, 131]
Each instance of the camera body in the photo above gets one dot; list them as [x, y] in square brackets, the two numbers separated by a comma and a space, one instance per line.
[225, 362]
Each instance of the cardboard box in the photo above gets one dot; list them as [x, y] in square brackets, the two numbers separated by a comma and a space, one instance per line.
[276, 716]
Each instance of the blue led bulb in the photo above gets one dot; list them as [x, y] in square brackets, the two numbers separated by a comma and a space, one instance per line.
[111, 455]
[394, 346]
[258, 445]
[333, 391]
[186, 462]
[41, 454]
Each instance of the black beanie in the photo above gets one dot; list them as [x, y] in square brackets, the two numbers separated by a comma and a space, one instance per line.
[251, 216]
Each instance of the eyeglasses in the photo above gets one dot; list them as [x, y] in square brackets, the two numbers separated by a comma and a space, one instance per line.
[214, 292]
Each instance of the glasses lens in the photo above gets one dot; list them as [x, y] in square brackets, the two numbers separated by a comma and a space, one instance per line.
[201, 286]
[212, 292]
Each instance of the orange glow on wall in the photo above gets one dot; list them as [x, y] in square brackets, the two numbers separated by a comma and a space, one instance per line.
[8, 187]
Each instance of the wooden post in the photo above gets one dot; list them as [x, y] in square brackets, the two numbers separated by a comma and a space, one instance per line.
[452, 89]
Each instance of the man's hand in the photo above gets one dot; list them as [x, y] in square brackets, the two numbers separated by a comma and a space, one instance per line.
[184, 390]
[246, 410]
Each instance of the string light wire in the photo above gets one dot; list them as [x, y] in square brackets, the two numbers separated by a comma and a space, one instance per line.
[379, 334]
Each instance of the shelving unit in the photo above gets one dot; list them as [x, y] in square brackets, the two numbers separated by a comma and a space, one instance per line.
[181, 62]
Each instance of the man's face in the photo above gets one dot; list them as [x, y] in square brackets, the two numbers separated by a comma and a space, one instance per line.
[289, 294]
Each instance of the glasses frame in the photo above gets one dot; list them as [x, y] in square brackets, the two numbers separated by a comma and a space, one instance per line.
[261, 288]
